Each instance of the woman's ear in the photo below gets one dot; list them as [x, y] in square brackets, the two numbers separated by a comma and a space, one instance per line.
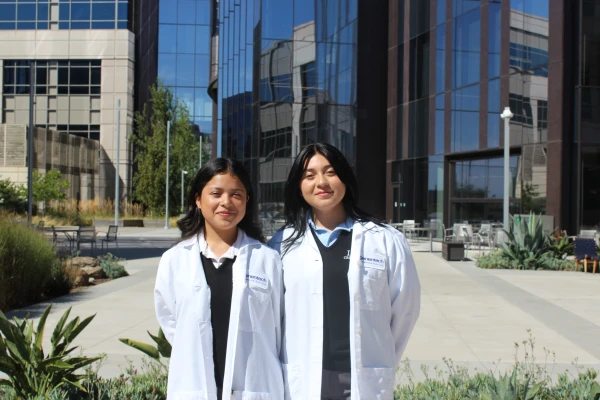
[198, 201]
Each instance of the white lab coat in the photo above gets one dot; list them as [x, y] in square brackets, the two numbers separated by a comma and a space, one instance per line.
[384, 307]
[182, 300]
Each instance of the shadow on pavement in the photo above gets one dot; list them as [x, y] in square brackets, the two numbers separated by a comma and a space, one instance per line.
[132, 249]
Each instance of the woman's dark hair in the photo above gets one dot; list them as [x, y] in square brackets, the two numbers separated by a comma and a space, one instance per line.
[296, 208]
[193, 221]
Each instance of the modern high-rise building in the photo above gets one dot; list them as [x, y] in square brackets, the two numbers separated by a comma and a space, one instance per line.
[412, 91]
[82, 53]
[290, 73]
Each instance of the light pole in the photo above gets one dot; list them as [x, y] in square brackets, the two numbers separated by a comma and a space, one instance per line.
[167, 185]
[182, 180]
[506, 116]
[117, 175]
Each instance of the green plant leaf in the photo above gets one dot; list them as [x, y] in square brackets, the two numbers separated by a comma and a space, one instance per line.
[143, 347]
[163, 346]
[56, 335]
[80, 327]
[39, 334]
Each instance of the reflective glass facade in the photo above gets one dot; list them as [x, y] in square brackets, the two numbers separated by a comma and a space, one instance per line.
[588, 114]
[287, 77]
[65, 14]
[450, 92]
[184, 55]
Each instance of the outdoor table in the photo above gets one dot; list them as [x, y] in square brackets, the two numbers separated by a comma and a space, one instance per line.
[69, 232]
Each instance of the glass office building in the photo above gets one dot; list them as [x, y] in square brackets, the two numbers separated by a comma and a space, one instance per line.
[287, 76]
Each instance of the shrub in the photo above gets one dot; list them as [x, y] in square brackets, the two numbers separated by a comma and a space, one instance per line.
[547, 261]
[112, 266]
[26, 265]
[560, 246]
[162, 349]
[31, 371]
[526, 242]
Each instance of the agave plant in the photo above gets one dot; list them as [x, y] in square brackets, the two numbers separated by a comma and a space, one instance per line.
[162, 348]
[30, 371]
[526, 243]
[507, 388]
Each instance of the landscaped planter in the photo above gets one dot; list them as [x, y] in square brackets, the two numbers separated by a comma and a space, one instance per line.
[453, 251]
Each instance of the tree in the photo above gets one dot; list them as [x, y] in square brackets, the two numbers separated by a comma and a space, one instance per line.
[13, 197]
[150, 145]
[49, 187]
[530, 200]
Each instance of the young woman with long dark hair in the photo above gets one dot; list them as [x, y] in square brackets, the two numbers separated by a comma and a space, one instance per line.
[219, 294]
[352, 293]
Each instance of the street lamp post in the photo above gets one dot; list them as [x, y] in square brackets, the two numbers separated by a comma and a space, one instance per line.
[506, 116]
[167, 184]
[182, 180]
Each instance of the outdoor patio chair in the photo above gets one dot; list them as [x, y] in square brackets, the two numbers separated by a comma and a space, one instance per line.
[409, 228]
[470, 239]
[587, 234]
[585, 250]
[87, 234]
[485, 234]
[111, 236]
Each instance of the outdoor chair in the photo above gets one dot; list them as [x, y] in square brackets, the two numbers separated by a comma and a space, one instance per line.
[470, 239]
[585, 250]
[87, 234]
[111, 236]
[485, 234]
[408, 226]
[587, 234]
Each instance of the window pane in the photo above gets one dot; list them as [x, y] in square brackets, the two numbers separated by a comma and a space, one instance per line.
[185, 38]
[42, 12]
[277, 18]
[167, 68]
[167, 11]
[167, 38]
[103, 11]
[202, 40]
[185, 70]
[186, 12]
[80, 12]
[494, 40]
[122, 11]
[26, 12]
[466, 48]
[440, 61]
[203, 13]
[203, 103]
[202, 68]
[8, 12]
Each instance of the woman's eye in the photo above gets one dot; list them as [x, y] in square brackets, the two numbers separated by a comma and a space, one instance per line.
[308, 176]
[331, 172]
[237, 195]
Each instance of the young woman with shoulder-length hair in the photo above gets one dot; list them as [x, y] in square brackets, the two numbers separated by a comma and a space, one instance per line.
[219, 294]
[352, 292]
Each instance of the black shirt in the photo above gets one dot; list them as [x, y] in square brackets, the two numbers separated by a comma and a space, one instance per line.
[220, 282]
[336, 302]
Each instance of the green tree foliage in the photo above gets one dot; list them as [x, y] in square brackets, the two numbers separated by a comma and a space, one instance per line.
[49, 187]
[13, 197]
[150, 146]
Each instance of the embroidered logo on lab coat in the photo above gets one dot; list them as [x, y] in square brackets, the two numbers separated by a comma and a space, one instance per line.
[347, 256]
[255, 279]
[372, 261]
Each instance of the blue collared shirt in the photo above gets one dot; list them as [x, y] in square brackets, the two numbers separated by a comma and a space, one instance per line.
[327, 237]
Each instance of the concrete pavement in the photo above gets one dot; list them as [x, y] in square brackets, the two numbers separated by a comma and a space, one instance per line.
[469, 315]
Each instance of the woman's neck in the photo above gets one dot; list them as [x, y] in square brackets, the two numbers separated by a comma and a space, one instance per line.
[219, 241]
[329, 219]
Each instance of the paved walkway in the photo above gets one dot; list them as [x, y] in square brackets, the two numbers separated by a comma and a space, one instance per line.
[469, 315]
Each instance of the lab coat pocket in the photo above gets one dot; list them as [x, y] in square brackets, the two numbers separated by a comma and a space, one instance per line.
[200, 301]
[244, 395]
[378, 383]
[372, 283]
[255, 304]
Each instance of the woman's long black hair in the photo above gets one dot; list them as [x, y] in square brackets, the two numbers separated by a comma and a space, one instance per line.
[296, 208]
[193, 221]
